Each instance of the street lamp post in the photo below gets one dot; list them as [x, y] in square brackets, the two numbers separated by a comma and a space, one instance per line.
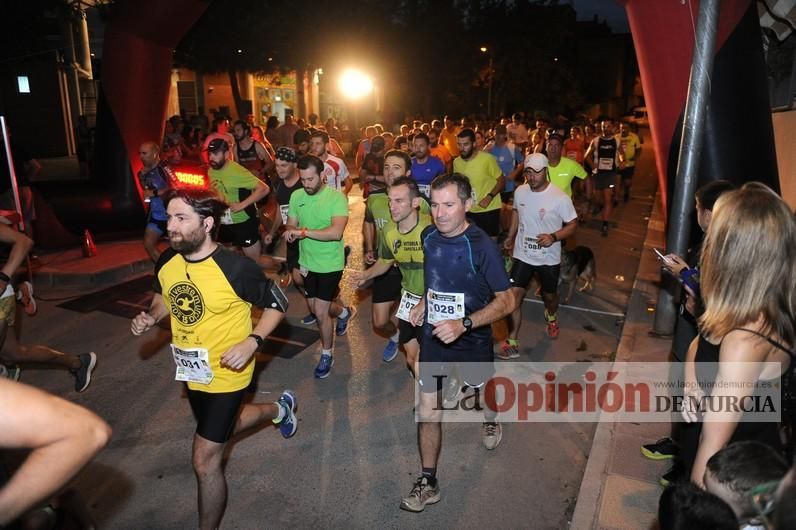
[484, 49]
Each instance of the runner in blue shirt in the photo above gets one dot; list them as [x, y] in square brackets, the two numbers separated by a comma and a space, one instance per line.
[425, 167]
[466, 290]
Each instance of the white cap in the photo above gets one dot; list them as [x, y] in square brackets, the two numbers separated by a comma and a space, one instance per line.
[535, 161]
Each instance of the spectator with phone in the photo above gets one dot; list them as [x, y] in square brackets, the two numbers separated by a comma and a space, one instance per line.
[690, 309]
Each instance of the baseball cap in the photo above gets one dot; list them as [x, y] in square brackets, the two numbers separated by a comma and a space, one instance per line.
[535, 161]
[287, 154]
[217, 144]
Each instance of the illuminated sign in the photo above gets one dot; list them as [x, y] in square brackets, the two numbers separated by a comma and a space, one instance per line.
[192, 179]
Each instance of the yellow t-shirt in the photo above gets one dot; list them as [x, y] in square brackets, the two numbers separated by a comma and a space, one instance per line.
[630, 144]
[562, 175]
[483, 172]
[210, 306]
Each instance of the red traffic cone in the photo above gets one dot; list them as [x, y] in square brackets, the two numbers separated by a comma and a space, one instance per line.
[89, 248]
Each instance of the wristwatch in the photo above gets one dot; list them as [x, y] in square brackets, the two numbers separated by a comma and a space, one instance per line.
[258, 339]
[467, 323]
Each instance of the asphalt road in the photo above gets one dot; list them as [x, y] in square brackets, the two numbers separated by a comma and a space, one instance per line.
[354, 455]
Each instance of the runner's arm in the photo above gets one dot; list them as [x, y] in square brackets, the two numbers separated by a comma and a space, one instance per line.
[333, 232]
[62, 437]
[348, 183]
[20, 246]
[260, 190]
[144, 320]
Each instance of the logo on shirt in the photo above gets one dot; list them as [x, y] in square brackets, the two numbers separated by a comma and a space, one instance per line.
[542, 211]
[396, 245]
[187, 305]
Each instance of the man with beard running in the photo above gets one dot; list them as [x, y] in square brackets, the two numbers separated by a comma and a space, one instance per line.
[316, 218]
[466, 289]
[288, 182]
[486, 179]
[208, 292]
[542, 217]
[251, 154]
[335, 172]
[155, 178]
[240, 226]
[425, 167]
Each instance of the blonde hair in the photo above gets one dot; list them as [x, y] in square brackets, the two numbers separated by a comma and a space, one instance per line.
[748, 264]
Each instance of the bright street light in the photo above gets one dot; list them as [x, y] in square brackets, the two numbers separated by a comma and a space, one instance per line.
[355, 84]
[483, 49]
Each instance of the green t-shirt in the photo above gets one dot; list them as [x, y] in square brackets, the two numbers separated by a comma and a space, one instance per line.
[235, 183]
[562, 175]
[377, 211]
[315, 212]
[407, 251]
[483, 172]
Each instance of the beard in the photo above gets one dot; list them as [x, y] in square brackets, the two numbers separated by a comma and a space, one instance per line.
[188, 243]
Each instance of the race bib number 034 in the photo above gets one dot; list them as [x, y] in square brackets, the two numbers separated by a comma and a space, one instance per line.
[192, 365]
[444, 306]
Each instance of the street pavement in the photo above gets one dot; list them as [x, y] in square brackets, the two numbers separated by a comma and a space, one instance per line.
[354, 455]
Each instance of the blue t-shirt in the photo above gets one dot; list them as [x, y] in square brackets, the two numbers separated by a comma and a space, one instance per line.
[507, 162]
[156, 179]
[425, 173]
[471, 264]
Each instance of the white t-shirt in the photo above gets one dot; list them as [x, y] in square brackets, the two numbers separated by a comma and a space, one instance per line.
[334, 172]
[542, 212]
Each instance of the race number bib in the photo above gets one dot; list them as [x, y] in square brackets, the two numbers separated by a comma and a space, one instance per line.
[408, 302]
[572, 155]
[605, 164]
[444, 306]
[531, 247]
[425, 189]
[192, 365]
[283, 211]
[226, 219]
[303, 270]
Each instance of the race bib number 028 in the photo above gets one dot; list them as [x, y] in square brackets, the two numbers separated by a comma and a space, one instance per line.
[444, 306]
[192, 365]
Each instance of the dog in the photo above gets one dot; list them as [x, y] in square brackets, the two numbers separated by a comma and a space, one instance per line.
[578, 263]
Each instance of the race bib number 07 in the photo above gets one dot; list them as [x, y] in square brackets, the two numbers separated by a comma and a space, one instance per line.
[408, 302]
[444, 306]
[192, 365]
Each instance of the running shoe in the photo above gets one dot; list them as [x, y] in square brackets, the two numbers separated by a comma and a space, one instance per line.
[509, 349]
[422, 493]
[663, 449]
[492, 433]
[674, 475]
[289, 403]
[341, 327]
[309, 320]
[390, 351]
[25, 295]
[324, 366]
[552, 326]
[83, 374]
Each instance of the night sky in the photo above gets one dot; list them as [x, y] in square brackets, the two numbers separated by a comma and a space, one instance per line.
[611, 10]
